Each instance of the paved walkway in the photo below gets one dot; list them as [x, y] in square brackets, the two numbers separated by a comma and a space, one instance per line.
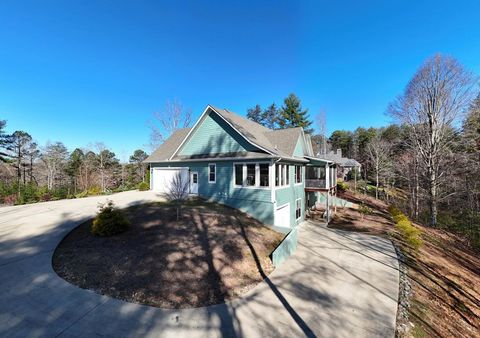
[338, 284]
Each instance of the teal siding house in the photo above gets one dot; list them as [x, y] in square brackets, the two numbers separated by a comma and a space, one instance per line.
[271, 175]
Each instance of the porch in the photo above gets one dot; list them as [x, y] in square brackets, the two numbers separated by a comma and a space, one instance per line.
[320, 188]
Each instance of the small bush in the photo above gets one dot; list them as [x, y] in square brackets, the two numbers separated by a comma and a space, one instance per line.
[409, 232]
[109, 221]
[95, 190]
[342, 186]
[365, 209]
[82, 194]
[143, 186]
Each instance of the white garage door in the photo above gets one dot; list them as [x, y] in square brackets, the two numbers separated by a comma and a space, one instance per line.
[282, 216]
[162, 178]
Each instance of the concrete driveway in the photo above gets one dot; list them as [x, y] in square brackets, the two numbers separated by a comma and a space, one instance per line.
[338, 284]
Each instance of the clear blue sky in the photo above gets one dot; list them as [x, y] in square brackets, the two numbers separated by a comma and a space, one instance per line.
[87, 71]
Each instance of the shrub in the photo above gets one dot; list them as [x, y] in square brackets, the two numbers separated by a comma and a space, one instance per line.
[409, 232]
[142, 186]
[82, 194]
[342, 186]
[93, 191]
[109, 221]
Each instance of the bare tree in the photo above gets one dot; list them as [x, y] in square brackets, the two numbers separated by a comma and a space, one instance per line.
[379, 154]
[55, 157]
[431, 105]
[321, 121]
[178, 191]
[174, 116]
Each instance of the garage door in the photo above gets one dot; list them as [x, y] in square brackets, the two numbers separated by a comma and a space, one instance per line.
[162, 178]
[282, 216]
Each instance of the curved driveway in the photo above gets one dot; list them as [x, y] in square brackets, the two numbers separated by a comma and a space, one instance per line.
[338, 284]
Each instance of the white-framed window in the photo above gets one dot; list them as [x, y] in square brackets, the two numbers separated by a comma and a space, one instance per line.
[298, 174]
[252, 174]
[282, 175]
[264, 169]
[212, 173]
[298, 209]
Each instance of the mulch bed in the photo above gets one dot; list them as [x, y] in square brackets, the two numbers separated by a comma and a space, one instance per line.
[213, 254]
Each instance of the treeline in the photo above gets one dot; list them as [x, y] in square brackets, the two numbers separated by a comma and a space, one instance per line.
[428, 161]
[29, 173]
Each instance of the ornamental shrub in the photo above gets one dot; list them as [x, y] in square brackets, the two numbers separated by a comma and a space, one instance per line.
[143, 186]
[410, 233]
[109, 221]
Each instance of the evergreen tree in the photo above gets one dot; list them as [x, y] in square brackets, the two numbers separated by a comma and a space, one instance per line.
[19, 145]
[137, 159]
[292, 115]
[255, 114]
[5, 142]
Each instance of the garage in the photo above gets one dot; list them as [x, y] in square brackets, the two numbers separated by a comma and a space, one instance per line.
[282, 216]
[162, 178]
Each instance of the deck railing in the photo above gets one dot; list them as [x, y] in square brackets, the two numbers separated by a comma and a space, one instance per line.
[319, 183]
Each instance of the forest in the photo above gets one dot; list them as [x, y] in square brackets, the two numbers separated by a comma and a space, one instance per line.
[427, 161]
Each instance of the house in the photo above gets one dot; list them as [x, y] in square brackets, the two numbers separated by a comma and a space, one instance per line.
[345, 165]
[271, 175]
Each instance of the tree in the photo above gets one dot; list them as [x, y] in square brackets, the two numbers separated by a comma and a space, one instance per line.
[255, 114]
[138, 158]
[433, 100]
[19, 144]
[106, 163]
[5, 142]
[32, 153]
[321, 121]
[165, 122]
[54, 156]
[270, 117]
[342, 139]
[378, 151]
[178, 191]
[292, 114]
[74, 165]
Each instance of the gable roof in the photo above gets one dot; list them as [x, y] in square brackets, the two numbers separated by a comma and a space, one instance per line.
[166, 149]
[279, 142]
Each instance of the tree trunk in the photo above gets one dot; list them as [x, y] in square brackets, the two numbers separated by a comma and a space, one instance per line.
[376, 182]
[433, 196]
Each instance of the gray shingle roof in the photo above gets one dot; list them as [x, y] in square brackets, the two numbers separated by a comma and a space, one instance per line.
[280, 142]
[168, 147]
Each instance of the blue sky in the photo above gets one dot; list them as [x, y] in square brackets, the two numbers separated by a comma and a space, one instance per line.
[87, 71]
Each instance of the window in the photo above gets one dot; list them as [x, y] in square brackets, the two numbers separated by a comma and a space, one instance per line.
[298, 208]
[250, 181]
[238, 174]
[195, 178]
[287, 173]
[251, 175]
[212, 173]
[277, 175]
[298, 174]
[264, 174]
[282, 174]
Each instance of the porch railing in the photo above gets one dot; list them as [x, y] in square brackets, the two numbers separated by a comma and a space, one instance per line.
[316, 183]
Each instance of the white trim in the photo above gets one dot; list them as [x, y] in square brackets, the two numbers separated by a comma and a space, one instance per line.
[298, 199]
[215, 172]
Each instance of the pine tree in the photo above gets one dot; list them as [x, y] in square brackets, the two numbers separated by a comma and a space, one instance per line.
[292, 115]
[5, 142]
[255, 114]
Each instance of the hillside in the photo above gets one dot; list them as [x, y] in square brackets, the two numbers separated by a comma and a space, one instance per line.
[444, 274]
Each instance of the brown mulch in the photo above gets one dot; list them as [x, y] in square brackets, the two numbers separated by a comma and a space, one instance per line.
[213, 254]
[444, 273]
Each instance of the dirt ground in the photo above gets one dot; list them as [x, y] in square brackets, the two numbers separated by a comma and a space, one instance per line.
[444, 273]
[213, 254]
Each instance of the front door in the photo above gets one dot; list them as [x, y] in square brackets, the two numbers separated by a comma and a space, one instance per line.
[194, 182]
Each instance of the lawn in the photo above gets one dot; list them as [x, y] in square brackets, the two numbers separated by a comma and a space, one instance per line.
[213, 254]
[444, 273]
